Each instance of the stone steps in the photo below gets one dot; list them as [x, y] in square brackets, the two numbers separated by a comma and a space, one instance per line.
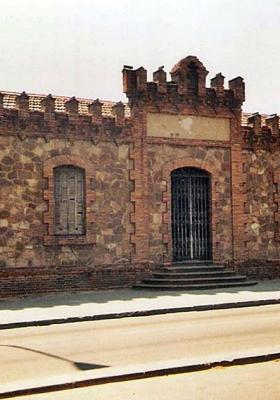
[175, 281]
[194, 286]
[193, 269]
[194, 276]
[209, 274]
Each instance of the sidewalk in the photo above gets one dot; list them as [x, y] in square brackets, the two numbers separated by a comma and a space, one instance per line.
[54, 384]
[119, 303]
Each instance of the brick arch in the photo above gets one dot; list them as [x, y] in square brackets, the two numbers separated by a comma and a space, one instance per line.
[53, 162]
[49, 165]
[166, 198]
[185, 163]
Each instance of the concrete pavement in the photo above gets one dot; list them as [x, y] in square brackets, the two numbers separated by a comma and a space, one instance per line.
[56, 384]
[41, 359]
[216, 384]
[96, 305]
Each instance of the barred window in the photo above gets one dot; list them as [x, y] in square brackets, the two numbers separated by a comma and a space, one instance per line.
[69, 198]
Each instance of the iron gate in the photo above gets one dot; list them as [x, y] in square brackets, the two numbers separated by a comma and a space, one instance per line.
[191, 214]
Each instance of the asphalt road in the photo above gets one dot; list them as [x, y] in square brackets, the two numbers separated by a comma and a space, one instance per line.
[38, 352]
[257, 381]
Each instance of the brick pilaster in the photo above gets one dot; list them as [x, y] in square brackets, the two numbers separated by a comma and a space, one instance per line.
[238, 203]
[139, 216]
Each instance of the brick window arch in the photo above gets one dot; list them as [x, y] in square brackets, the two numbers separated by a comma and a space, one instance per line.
[69, 200]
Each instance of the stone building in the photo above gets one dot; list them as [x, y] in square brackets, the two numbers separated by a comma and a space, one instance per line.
[97, 194]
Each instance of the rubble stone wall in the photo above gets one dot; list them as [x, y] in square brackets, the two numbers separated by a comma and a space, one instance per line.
[261, 207]
[22, 206]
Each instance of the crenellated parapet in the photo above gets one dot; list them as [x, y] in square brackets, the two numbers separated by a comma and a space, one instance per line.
[55, 116]
[262, 132]
[187, 87]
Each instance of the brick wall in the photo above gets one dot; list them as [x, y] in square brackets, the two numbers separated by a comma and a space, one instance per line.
[27, 281]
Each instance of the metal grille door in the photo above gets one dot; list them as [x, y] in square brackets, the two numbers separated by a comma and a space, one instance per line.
[191, 214]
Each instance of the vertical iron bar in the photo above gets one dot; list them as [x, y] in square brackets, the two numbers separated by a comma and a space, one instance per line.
[180, 218]
[202, 220]
[200, 211]
[191, 218]
[177, 217]
[208, 217]
[173, 214]
[188, 228]
[205, 219]
[183, 217]
[184, 220]
[197, 217]
[194, 193]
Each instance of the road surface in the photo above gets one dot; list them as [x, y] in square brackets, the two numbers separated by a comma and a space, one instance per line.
[39, 352]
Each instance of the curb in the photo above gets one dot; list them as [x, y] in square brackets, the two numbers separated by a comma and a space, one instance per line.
[139, 375]
[128, 314]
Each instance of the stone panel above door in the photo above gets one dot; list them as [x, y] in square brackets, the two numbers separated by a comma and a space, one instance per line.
[188, 127]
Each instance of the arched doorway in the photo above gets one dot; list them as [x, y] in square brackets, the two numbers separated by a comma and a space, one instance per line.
[191, 214]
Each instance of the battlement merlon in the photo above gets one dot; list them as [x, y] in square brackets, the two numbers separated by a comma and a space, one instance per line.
[51, 108]
[272, 122]
[56, 116]
[261, 131]
[187, 84]
[258, 122]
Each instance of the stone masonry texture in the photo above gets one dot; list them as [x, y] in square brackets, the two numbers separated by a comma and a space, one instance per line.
[127, 182]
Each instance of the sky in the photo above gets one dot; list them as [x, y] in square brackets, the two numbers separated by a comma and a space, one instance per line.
[78, 47]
